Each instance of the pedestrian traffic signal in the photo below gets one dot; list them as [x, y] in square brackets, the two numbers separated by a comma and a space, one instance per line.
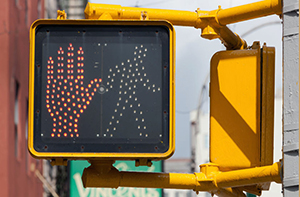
[242, 108]
[101, 89]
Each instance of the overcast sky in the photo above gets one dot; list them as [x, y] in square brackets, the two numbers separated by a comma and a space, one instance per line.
[193, 55]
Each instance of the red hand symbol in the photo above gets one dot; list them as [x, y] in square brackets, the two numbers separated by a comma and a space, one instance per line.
[66, 97]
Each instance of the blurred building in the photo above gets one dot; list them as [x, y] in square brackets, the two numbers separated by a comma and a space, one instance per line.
[73, 8]
[18, 170]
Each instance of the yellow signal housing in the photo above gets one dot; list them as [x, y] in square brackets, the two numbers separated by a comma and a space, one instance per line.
[102, 90]
[242, 108]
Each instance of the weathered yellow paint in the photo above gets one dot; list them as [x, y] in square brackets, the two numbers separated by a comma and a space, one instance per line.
[242, 108]
[62, 157]
[103, 174]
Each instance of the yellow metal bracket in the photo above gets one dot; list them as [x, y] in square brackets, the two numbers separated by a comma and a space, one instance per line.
[143, 162]
[233, 183]
[144, 15]
[61, 14]
[59, 162]
[105, 16]
[212, 23]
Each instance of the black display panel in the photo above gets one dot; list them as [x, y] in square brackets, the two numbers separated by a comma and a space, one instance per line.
[101, 89]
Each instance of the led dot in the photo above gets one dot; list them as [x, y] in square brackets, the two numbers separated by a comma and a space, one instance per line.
[114, 128]
[107, 83]
[136, 119]
[117, 121]
[144, 84]
[143, 119]
[139, 127]
[143, 68]
[112, 117]
[124, 108]
[134, 111]
[145, 127]
[118, 104]
[58, 135]
[133, 74]
[72, 135]
[111, 135]
[130, 105]
[139, 105]
[140, 134]
[139, 56]
[153, 90]
[104, 135]
[121, 114]
[134, 59]
[52, 135]
[135, 99]
[110, 70]
[112, 80]
[141, 112]
[144, 55]
[146, 135]
[81, 111]
[110, 123]
[126, 102]
[158, 89]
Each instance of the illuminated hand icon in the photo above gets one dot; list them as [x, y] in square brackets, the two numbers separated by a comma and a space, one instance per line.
[67, 96]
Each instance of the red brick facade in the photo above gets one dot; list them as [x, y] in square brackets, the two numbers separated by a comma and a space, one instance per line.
[16, 177]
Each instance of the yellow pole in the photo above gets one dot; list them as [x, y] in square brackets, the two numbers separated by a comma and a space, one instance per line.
[105, 175]
[182, 18]
[212, 23]
[249, 11]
